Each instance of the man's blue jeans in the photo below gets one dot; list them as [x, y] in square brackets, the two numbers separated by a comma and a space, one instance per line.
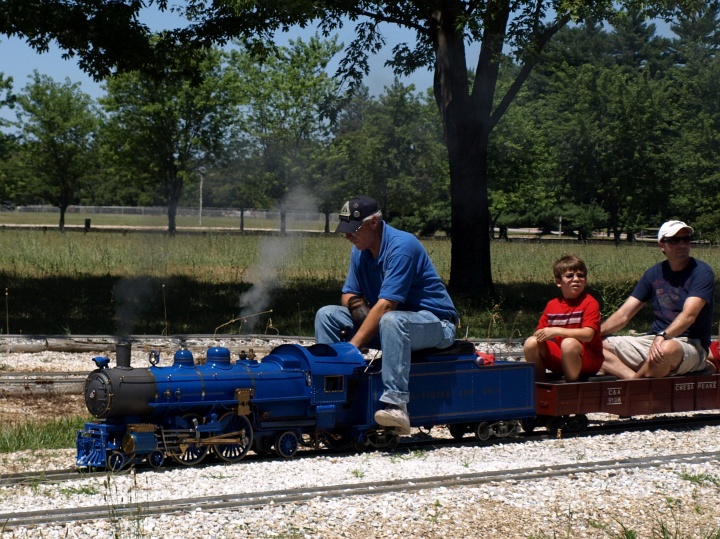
[400, 333]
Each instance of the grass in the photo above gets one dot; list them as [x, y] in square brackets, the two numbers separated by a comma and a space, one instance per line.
[144, 283]
[57, 433]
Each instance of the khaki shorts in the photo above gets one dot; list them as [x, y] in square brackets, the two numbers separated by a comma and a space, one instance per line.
[633, 351]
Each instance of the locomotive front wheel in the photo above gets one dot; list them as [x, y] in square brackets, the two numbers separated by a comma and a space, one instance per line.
[286, 444]
[115, 461]
[156, 459]
[191, 454]
[482, 432]
[238, 427]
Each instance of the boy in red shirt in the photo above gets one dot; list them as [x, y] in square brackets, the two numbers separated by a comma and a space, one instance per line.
[567, 340]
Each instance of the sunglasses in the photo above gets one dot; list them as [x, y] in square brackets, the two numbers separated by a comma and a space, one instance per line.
[570, 276]
[677, 239]
[357, 231]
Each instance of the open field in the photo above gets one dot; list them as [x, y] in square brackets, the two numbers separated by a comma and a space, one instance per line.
[115, 283]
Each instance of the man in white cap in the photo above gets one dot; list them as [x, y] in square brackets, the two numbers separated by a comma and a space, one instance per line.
[392, 299]
[681, 290]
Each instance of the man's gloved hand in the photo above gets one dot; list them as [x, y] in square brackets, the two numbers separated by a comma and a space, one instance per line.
[358, 310]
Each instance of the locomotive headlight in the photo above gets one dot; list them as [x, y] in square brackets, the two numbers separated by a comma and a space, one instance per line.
[128, 443]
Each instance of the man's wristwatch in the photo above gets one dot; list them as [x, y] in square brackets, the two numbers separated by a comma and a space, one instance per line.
[664, 335]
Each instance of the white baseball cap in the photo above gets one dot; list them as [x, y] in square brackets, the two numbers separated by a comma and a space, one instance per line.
[670, 228]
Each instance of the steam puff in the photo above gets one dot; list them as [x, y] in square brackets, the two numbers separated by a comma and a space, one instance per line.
[274, 254]
[131, 297]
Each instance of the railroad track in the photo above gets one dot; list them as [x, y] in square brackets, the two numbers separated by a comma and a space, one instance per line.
[260, 499]
[421, 441]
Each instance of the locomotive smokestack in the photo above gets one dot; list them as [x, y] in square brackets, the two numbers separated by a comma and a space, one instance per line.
[122, 354]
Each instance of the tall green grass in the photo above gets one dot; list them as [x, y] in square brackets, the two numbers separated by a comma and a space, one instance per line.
[57, 433]
[153, 283]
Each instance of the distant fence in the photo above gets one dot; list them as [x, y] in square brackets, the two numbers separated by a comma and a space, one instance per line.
[182, 212]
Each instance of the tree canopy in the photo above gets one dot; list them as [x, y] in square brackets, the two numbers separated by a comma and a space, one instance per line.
[107, 36]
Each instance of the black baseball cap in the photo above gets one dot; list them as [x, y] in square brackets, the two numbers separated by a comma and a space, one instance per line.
[354, 211]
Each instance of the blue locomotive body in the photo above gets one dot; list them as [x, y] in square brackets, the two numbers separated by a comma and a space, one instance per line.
[321, 395]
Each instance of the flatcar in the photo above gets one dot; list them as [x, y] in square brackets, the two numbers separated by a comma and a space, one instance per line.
[564, 406]
[316, 396]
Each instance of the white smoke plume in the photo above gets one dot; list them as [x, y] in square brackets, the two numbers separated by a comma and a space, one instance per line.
[274, 254]
[131, 296]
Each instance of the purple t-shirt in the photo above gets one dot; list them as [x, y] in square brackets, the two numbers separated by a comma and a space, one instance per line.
[667, 291]
[403, 272]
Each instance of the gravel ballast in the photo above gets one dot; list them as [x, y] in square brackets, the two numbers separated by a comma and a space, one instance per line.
[677, 499]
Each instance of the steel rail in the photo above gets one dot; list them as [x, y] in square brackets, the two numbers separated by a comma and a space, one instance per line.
[260, 499]
[427, 442]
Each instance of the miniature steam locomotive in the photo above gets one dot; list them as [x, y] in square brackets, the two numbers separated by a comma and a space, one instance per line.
[321, 395]
[327, 396]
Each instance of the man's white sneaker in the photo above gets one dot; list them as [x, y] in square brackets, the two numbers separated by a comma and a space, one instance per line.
[395, 417]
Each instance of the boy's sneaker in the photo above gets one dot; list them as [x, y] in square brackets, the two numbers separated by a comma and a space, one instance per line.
[395, 417]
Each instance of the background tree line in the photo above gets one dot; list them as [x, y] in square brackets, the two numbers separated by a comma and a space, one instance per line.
[616, 128]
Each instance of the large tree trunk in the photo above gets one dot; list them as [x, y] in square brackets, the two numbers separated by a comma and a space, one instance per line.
[174, 184]
[172, 214]
[467, 126]
[468, 119]
[63, 205]
[470, 272]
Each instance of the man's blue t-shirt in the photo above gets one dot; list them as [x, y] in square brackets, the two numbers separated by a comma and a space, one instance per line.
[403, 272]
[667, 291]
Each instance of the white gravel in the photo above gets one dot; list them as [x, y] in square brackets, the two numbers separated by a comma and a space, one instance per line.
[680, 500]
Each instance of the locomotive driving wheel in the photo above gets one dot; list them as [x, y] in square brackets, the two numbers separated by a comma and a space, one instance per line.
[238, 428]
[190, 453]
[156, 459]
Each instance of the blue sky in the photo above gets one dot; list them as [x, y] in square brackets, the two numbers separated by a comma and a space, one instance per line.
[18, 60]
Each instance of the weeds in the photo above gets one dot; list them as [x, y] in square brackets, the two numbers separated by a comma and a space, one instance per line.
[58, 433]
[124, 525]
[701, 479]
[410, 455]
[84, 490]
[435, 512]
